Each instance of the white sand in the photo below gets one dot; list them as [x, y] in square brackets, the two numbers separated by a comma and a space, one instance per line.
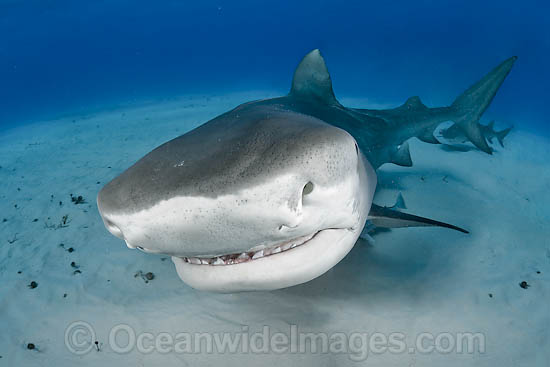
[411, 281]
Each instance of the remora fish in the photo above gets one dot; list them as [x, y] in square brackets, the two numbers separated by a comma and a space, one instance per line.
[455, 133]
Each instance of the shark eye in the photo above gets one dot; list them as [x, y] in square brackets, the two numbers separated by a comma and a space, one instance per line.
[308, 188]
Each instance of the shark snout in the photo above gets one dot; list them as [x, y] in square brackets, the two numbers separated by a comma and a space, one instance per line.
[269, 181]
[112, 223]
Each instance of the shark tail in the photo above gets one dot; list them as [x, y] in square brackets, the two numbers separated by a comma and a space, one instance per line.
[501, 135]
[471, 104]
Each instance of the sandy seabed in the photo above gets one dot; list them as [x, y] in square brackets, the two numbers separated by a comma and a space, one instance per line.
[410, 282]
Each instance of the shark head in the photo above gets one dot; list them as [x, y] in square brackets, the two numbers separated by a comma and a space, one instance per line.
[259, 198]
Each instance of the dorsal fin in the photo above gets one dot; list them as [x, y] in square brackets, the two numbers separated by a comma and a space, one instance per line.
[312, 80]
[414, 103]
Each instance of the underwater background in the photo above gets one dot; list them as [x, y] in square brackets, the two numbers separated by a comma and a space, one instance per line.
[64, 56]
[88, 88]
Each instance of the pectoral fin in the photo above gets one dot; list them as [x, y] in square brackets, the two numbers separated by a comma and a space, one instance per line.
[388, 218]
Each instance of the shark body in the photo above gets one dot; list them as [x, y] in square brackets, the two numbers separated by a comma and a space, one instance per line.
[275, 192]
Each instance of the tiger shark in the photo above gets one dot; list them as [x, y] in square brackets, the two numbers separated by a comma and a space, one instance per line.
[276, 192]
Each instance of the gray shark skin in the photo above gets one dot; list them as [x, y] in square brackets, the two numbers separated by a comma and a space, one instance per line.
[455, 133]
[275, 192]
[381, 134]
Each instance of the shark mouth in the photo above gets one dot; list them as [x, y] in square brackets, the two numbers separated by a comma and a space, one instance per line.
[280, 265]
[257, 252]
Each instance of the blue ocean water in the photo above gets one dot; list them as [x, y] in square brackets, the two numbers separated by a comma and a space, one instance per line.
[61, 269]
[60, 57]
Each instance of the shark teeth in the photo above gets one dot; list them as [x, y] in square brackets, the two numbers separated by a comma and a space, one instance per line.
[194, 260]
[286, 246]
[258, 254]
[242, 257]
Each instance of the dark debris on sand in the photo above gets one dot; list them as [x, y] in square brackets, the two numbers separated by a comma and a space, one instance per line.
[145, 276]
[78, 199]
[524, 285]
[70, 249]
[64, 223]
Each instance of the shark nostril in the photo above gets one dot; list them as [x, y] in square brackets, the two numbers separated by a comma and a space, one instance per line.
[111, 225]
[308, 189]
[295, 218]
[113, 228]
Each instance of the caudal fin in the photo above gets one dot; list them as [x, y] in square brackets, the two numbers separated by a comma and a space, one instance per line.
[471, 104]
[501, 135]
